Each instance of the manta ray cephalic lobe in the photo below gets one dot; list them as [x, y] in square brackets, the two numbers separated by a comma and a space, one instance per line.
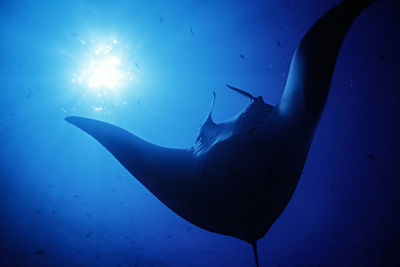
[239, 175]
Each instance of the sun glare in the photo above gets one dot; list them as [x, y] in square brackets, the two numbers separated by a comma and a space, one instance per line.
[104, 72]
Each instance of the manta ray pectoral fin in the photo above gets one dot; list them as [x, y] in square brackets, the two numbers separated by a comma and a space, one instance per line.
[146, 161]
[314, 61]
[240, 91]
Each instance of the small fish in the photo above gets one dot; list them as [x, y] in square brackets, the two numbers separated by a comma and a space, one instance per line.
[89, 234]
[87, 214]
[161, 20]
[137, 66]
[189, 228]
[29, 93]
[39, 252]
[332, 187]
[279, 43]
[242, 57]
[192, 32]
[371, 157]
[72, 60]
[168, 237]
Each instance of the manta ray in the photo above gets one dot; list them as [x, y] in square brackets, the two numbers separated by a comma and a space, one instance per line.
[239, 175]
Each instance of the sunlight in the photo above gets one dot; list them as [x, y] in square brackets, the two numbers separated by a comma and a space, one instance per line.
[104, 72]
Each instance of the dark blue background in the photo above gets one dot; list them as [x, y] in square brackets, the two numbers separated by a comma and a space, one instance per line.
[62, 193]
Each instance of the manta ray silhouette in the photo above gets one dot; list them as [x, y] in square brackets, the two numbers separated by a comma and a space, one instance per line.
[239, 175]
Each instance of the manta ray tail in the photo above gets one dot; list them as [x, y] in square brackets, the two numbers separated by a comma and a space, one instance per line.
[254, 245]
[314, 61]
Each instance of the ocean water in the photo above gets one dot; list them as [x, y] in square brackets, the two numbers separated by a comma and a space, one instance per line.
[65, 201]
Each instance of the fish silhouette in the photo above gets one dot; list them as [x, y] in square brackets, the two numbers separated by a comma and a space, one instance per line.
[239, 175]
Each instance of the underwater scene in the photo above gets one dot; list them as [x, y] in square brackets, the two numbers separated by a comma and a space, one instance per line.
[200, 133]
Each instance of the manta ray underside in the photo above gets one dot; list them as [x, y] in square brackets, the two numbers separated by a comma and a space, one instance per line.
[239, 175]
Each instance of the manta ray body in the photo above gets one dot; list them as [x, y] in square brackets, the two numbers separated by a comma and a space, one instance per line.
[239, 175]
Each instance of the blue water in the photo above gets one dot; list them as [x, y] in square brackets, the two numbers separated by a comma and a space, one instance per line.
[65, 201]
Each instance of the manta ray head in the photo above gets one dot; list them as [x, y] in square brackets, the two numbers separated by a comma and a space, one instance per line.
[247, 121]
